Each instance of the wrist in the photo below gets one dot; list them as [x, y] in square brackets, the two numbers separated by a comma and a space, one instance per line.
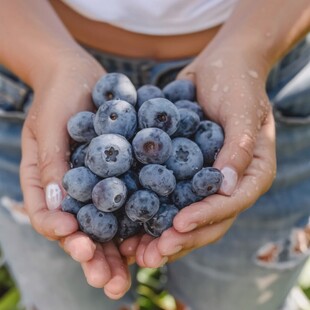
[71, 62]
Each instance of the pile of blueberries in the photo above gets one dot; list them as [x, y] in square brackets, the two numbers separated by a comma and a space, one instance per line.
[140, 157]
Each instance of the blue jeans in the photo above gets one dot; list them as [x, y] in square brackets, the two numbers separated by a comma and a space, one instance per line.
[252, 267]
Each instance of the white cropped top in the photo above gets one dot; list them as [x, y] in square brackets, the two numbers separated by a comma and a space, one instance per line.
[156, 17]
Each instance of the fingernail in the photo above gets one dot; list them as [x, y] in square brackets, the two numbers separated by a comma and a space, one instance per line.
[64, 230]
[53, 196]
[163, 261]
[176, 250]
[229, 181]
[190, 227]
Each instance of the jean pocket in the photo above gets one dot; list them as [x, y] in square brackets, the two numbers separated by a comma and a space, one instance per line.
[291, 103]
[286, 253]
[15, 97]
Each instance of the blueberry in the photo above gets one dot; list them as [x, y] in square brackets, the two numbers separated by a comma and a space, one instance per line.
[142, 205]
[109, 155]
[186, 158]
[161, 221]
[189, 122]
[98, 225]
[131, 180]
[126, 227]
[81, 128]
[109, 194]
[116, 116]
[71, 205]
[183, 194]
[114, 86]
[152, 145]
[191, 105]
[165, 200]
[147, 92]
[79, 183]
[207, 181]
[180, 90]
[158, 179]
[210, 138]
[77, 158]
[160, 113]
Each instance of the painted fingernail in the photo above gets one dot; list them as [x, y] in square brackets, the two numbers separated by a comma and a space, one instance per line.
[53, 196]
[229, 181]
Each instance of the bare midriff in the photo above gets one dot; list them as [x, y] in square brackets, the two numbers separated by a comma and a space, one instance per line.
[114, 40]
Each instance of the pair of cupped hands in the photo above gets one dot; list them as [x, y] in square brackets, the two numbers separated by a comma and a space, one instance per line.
[231, 90]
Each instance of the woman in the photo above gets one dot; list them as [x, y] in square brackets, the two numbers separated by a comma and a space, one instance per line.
[228, 50]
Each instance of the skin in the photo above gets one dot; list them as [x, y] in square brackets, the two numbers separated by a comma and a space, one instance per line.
[230, 75]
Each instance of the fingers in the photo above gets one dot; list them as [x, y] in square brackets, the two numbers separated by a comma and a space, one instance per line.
[238, 149]
[257, 180]
[174, 245]
[120, 280]
[53, 154]
[79, 246]
[108, 270]
[235, 98]
[97, 270]
[129, 246]
[50, 224]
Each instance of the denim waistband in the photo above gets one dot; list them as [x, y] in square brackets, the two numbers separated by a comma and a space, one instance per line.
[141, 71]
[16, 97]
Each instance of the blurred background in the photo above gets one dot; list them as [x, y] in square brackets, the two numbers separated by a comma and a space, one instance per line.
[151, 293]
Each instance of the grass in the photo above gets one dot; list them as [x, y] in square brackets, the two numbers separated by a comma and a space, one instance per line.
[151, 293]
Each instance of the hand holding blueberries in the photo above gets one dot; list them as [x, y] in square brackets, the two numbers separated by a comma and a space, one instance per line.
[231, 91]
[63, 90]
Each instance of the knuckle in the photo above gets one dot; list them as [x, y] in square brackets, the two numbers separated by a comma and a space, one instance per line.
[246, 145]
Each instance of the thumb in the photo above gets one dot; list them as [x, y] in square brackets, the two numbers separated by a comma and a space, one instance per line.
[241, 133]
[53, 156]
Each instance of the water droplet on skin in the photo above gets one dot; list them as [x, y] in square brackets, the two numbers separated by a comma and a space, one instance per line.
[248, 122]
[43, 156]
[248, 194]
[57, 149]
[225, 89]
[242, 95]
[242, 116]
[234, 156]
[253, 180]
[262, 103]
[237, 123]
[33, 117]
[86, 86]
[68, 153]
[218, 63]
[260, 113]
[253, 74]
[242, 76]
[215, 87]
[268, 34]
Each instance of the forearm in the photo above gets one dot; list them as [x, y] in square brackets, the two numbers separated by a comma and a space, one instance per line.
[32, 38]
[268, 28]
